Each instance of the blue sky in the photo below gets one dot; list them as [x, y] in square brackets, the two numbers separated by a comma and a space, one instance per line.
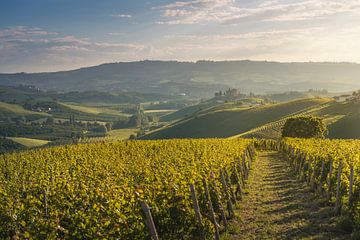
[51, 35]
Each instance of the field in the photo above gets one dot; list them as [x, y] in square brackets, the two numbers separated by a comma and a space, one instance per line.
[99, 190]
[114, 135]
[94, 110]
[9, 110]
[95, 190]
[29, 142]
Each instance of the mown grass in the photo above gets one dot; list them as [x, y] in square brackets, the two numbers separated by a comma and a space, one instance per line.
[94, 110]
[277, 205]
[29, 142]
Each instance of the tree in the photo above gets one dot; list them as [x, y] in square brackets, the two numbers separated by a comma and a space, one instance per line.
[304, 127]
[108, 126]
[49, 121]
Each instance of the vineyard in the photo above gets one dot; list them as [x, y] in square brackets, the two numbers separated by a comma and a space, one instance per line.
[330, 167]
[164, 189]
[168, 189]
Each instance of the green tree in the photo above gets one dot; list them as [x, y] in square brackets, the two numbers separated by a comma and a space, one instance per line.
[304, 127]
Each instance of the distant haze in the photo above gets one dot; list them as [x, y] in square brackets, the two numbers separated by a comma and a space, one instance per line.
[201, 78]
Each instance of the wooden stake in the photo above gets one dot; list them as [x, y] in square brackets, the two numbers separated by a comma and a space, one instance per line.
[212, 213]
[338, 193]
[196, 205]
[320, 187]
[313, 175]
[221, 208]
[238, 183]
[329, 180]
[228, 198]
[351, 179]
[309, 172]
[149, 221]
[228, 181]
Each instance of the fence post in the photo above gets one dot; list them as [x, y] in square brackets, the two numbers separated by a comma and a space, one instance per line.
[149, 221]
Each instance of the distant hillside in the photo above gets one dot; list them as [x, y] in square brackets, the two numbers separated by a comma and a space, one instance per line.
[196, 79]
[13, 110]
[232, 122]
[26, 93]
[342, 120]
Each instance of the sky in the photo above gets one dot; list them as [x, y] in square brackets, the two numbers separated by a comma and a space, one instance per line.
[54, 35]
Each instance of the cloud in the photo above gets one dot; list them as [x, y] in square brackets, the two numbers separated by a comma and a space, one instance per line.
[34, 49]
[232, 12]
[122, 15]
[116, 34]
[22, 31]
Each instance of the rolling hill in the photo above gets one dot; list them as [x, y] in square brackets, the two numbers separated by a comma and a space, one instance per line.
[342, 120]
[13, 110]
[200, 78]
[230, 122]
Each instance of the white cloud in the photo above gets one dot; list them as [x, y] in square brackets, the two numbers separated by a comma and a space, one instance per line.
[122, 15]
[116, 34]
[31, 50]
[232, 12]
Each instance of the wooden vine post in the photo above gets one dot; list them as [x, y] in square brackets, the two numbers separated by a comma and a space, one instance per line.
[221, 208]
[149, 220]
[227, 195]
[351, 184]
[196, 205]
[309, 172]
[238, 183]
[328, 194]
[228, 181]
[338, 190]
[320, 187]
[212, 213]
[313, 175]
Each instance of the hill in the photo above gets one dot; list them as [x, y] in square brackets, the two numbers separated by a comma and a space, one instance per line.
[27, 93]
[201, 78]
[230, 122]
[342, 120]
[13, 110]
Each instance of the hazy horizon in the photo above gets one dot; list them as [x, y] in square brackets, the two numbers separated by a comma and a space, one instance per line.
[179, 61]
[47, 36]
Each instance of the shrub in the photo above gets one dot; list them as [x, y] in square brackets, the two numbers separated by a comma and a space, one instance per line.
[304, 127]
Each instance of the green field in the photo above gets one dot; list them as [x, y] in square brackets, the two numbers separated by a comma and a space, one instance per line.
[11, 110]
[113, 135]
[29, 142]
[94, 110]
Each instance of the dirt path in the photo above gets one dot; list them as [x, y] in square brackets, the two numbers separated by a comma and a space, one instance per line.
[279, 206]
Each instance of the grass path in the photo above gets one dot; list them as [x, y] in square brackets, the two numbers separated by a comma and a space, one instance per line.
[277, 205]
